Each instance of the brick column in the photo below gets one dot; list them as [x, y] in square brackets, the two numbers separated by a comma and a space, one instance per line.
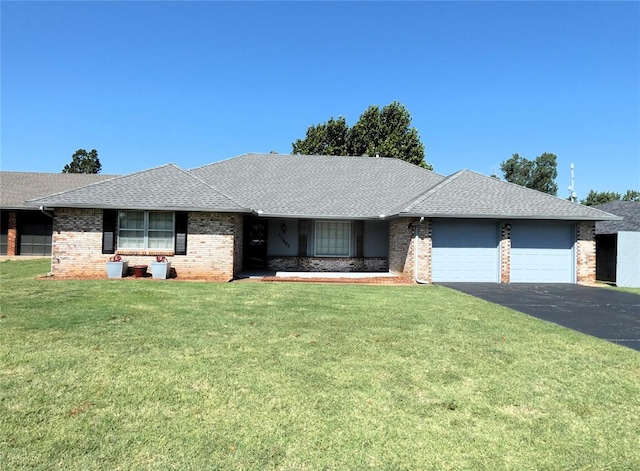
[12, 234]
[505, 253]
[402, 248]
[586, 252]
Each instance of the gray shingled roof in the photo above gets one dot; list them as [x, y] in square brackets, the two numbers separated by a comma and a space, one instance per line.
[472, 195]
[318, 186]
[18, 187]
[322, 187]
[167, 187]
[629, 210]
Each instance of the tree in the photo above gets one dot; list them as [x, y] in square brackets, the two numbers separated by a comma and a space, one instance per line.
[83, 162]
[328, 138]
[385, 132]
[602, 197]
[538, 174]
[631, 195]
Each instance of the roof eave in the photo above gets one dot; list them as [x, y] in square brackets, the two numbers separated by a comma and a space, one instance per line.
[143, 208]
[510, 216]
[379, 217]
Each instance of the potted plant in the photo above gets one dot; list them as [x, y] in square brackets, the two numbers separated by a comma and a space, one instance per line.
[116, 267]
[161, 268]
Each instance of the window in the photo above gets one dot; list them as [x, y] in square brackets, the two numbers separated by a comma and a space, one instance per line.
[332, 238]
[145, 230]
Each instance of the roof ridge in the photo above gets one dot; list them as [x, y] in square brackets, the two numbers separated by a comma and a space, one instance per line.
[103, 181]
[437, 187]
[210, 186]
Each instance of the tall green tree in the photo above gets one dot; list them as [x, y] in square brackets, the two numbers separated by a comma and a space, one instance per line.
[602, 197]
[329, 138]
[385, 132]
[538, 174]
[83, 162]
[631, 195]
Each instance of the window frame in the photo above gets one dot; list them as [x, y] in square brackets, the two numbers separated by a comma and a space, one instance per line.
[146, 231]
[316, 238]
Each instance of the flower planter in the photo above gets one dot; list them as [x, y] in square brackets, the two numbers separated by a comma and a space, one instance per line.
[140, 271]
[117, 269]
[160, 270]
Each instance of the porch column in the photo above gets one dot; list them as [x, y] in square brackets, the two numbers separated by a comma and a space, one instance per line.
[12, 234]
[402, 248]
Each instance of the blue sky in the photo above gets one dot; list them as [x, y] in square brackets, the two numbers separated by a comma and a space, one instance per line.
[147, 83]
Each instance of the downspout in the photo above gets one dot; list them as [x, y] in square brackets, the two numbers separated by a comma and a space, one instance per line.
[44, 211]
[415, 253]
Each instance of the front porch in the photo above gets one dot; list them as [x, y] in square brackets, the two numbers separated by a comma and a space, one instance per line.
[332, 277]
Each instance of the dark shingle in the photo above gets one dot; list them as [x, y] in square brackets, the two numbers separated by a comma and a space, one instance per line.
[628, 210]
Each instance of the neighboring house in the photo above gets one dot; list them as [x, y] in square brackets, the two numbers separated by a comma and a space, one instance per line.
[324, 213]
[25, 230]
[618, 244]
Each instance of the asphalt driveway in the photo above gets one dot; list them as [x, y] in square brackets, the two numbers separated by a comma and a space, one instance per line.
[604, 313]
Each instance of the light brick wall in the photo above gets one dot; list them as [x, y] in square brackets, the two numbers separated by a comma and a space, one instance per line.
[505, 253]
[402, 246]
[327, 264]
[586, 252]
[400, 253]
[77, 246]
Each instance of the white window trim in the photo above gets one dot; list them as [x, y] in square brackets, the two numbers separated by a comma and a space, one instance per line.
[146, 229]
[315, 238]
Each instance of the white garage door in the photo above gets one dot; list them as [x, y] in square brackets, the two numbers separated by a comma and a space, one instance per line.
[542, 253]
[465, 251]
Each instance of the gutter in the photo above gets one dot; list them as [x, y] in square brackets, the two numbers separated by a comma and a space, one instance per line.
[44, 211]
[415, 253]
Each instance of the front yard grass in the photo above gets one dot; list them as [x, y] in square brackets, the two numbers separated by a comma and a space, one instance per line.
[143, 374]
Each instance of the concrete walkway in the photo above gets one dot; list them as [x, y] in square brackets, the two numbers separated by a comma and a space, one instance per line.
[605, 313]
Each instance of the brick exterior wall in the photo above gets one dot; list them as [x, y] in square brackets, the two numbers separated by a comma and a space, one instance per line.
[77, 246]
[400, 239]
[328, 264]
[402, 246]
[586, 252]
[12, 234]
[505, 253]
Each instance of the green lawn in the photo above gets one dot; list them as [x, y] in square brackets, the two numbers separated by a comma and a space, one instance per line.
[147, 374]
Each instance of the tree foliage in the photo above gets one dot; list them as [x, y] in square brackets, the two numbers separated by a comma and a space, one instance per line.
[328, 138]
[601, 197]
[385, 132]
[83, 162]
[539, 174]
[631, 195]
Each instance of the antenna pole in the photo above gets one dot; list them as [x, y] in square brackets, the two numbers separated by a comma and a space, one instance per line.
[572, 195]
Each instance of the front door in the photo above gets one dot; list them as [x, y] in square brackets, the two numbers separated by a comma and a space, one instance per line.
[255, 243]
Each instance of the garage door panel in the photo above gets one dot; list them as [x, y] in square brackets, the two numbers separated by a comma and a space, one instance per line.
[542, 253]
[465, 252]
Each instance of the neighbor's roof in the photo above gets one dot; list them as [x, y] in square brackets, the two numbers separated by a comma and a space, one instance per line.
[303, 186]
[472, 195]
[628, 210]
[161, 188]
[318, 186]
[18, 187]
